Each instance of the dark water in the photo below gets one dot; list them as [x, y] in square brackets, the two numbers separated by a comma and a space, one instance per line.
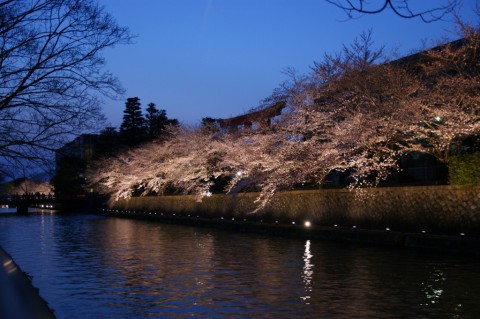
[88, 266]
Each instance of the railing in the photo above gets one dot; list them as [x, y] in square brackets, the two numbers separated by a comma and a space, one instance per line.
[24, 201]
[27, 198]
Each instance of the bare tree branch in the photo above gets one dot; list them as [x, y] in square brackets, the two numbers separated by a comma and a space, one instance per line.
[51, 73]
[401, 8]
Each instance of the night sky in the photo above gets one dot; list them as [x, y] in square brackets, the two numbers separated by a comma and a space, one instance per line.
[220, 58]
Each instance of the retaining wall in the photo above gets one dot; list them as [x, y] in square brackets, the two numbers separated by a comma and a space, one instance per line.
[434, 209]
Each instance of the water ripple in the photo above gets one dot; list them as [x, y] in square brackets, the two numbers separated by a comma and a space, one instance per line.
[95, 267]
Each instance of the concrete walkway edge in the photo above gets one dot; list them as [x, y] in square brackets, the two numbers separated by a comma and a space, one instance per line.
[19, 299]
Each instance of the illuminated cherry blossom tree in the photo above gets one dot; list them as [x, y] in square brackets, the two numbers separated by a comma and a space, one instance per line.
[449, 97]
[354, 112]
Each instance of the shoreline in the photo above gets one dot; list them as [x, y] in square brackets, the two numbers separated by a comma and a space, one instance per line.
[19, 299]
[452, 244]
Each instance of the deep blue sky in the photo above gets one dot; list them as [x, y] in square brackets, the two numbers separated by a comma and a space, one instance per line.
[219, 58]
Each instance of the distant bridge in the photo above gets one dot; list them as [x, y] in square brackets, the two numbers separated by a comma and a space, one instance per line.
[24, 201]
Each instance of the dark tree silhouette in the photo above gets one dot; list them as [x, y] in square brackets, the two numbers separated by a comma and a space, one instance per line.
[209, 124]
[51, 74]
[157, 121]
[402, 8]
[133, 128]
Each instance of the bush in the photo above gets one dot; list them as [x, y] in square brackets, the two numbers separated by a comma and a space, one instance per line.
[464, 169]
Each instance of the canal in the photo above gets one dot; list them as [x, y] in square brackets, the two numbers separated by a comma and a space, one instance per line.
[91, 266]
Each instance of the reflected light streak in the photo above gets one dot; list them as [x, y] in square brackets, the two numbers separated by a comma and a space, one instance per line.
[433, 288]
[307, 274]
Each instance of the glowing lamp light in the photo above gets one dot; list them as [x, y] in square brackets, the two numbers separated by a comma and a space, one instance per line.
[239, 173]
[308, 224]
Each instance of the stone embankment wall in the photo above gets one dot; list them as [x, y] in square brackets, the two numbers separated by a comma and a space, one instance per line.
[432, 209]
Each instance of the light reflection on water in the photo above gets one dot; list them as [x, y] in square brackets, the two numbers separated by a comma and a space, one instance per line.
[307, 272]
[94, 267]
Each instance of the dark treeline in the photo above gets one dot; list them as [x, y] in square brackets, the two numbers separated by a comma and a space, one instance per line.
[136, 128]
